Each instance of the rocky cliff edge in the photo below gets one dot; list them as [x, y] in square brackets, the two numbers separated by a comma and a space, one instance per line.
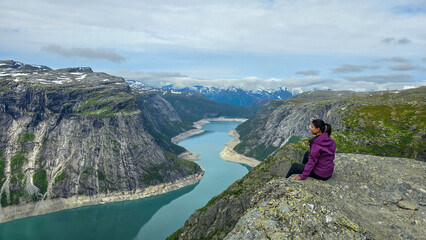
[368, 197]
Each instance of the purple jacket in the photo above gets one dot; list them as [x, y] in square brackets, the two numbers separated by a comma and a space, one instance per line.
[321, 157]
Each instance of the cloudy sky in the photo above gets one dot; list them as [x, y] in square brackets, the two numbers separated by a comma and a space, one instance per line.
[347, 44]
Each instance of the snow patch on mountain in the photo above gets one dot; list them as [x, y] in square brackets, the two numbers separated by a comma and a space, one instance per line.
[232, 95]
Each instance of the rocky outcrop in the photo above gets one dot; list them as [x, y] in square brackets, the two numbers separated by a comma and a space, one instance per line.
[73, 133]
[368, 197]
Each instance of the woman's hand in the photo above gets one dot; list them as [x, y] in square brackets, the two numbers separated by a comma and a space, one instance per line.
[296, 178]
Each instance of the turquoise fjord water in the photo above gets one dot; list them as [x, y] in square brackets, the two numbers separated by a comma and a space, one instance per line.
[150, 218]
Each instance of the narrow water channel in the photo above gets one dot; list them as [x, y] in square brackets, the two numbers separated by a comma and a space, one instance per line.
[150, 218]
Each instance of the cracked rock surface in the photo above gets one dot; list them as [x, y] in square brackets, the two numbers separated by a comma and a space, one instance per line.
[368, 197]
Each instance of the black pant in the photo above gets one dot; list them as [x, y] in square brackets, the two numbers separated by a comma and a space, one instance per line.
[298, 168]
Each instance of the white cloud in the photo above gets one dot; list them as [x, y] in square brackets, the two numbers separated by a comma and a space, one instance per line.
[242, 25]
[308, 72]
[84, 53]
[404, 41]
[354, 83]
[391, 40]
[395, 59]
[382, 78]
[405, 67]
[349, 68]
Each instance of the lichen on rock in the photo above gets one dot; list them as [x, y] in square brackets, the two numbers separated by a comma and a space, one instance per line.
[363, 200]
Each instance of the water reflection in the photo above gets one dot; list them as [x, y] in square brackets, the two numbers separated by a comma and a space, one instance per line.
[121, 220]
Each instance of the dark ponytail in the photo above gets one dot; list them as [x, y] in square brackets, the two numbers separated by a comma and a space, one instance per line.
[324, 127]
[328, 129]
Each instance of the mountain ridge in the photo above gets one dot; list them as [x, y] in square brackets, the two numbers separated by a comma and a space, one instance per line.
[231, 95]
[239, 96]
[352, 114]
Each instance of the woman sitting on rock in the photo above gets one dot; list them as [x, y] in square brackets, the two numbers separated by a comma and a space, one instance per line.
[318, 162]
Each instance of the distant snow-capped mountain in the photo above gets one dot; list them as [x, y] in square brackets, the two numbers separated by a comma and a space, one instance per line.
[238, 96]
[142, 87]
[232, 95]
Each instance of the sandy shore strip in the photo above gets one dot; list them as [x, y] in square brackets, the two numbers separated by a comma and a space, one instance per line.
[189, 156]
[229, 154]
[198, 130]
[199, 127]
[58, 204]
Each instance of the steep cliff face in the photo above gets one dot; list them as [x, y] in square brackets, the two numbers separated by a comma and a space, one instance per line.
[162, 120]
[363, 122]
[73, 132]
